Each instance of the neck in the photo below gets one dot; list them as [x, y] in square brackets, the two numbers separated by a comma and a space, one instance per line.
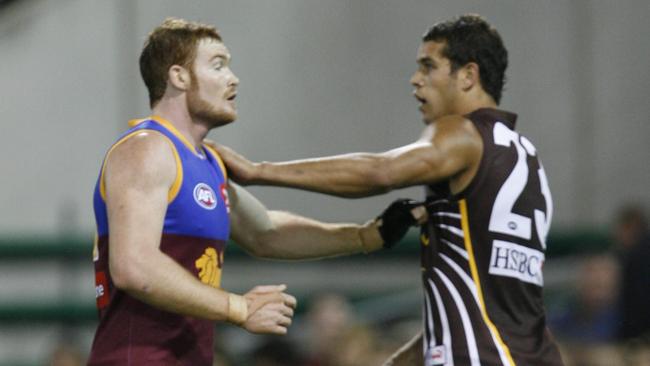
[469, 105]
[176, 112]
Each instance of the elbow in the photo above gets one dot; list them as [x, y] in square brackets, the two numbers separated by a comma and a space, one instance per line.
[128, 276]
[374, 176]
[264, 246]
[256, 251]
[382, 179]
[262, 249]
[385, 183]
[253, 245]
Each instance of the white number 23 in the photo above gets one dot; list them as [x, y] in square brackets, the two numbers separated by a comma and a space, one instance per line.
[502, 219]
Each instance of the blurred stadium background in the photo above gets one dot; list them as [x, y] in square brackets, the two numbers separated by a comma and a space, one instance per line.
[317, 78]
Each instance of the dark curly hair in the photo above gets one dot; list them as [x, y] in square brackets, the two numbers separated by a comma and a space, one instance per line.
[470, 38]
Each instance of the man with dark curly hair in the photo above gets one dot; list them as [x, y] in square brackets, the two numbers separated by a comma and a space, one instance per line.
[488, 198]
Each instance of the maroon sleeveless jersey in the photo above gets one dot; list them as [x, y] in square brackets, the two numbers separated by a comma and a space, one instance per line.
[195, 230]
[482, 254]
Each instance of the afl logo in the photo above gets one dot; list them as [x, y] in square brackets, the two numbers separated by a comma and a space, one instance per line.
[204, 196]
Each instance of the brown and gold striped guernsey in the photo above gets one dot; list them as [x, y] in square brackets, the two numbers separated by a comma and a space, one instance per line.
[482, 253]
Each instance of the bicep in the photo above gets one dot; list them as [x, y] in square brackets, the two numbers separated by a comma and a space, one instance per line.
[135, 218]
[249, 218]
[448, 152]
[138, 177]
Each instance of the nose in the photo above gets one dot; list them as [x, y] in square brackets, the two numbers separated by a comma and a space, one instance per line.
[416, 80]
[234, 80]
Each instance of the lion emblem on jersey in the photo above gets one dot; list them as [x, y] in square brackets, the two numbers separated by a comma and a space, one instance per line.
[209, 266]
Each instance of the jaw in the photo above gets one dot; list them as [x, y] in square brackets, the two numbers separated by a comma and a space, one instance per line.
[217, 118]
[212, 115]
[428, 112]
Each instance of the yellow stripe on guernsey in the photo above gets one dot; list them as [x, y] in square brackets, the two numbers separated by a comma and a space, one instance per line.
[475, 277]
[218, 159]
[168, 125]
[175, 187]
[96, 247]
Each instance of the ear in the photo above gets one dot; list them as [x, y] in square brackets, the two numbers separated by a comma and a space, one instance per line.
[179, 77]
[469, 76]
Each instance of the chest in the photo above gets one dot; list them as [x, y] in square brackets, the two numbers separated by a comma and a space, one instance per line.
[201, 207]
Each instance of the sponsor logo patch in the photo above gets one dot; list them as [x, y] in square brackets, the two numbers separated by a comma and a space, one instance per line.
[223, 189]
[101, 290]
[435, 356]
[517, 261]
[205, 197]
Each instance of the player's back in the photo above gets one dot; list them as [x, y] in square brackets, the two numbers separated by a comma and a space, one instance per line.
[482, 256]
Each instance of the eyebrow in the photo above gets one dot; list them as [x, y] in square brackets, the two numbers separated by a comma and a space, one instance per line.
[426, 59]
[220, 55]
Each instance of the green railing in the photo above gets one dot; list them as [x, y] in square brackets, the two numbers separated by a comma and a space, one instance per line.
[560, 243]
[79, 248]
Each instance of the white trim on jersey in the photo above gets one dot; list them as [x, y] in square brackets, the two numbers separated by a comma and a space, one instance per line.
[446, 334]
[437, 202]
[452, 229]
[456, 248]
[429, 316]
[472, 288]
[464, 317]
[448, 214]
[424, 316]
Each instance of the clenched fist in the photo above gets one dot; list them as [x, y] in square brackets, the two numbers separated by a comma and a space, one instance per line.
[270, 309]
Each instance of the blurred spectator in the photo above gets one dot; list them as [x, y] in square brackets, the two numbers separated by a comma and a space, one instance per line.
[66, 355]
[597, 355]
[638, 356]
[360, 346]
[329, 317]
[220, 360]
[221, 355]
[592, 317]
[629, 227]
[275, 352]
[633, 242]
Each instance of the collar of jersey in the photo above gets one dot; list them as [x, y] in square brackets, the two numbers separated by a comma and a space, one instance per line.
[169, 126]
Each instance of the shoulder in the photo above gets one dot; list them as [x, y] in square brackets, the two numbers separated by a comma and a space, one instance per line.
[455, 124]
[455, 130]
[142, 154]
[145, 146]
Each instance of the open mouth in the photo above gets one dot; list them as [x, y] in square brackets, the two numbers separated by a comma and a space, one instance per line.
[419, 98]
[232, 97]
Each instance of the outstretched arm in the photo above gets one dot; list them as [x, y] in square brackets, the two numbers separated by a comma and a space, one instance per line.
[446, 149]
[282, 235]
[138, 175]
[410, 354]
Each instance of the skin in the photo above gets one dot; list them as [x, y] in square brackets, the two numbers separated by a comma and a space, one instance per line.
[138, 175]
[200, 98]
[449, 149]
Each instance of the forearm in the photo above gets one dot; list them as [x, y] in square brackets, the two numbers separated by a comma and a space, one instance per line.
[350, 175]
[166, 285]
[409, 354]
[296, 237]
[282, 235]
[159, 281]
